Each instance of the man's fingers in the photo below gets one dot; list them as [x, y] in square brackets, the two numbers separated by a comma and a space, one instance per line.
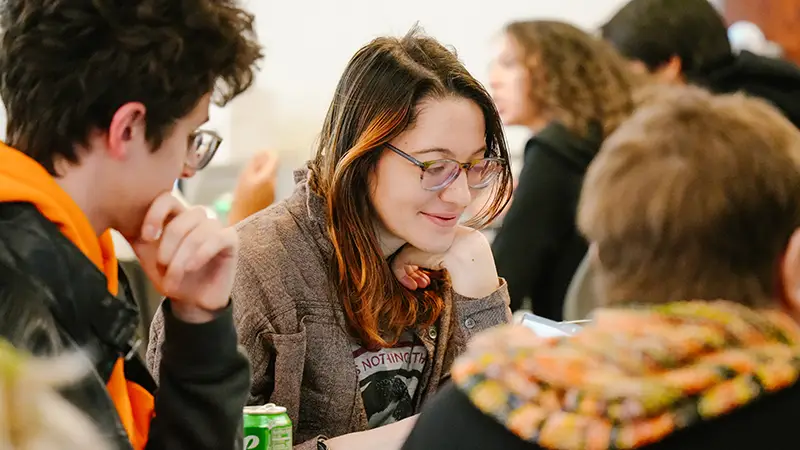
[222, 243]
[176, 232]
[161, 210]
[199, 248]
[147, 253]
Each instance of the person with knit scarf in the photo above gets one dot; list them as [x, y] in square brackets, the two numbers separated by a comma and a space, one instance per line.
[692, 208]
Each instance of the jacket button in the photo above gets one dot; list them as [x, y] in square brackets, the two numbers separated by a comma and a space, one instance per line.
[432, 333]
[469, 323]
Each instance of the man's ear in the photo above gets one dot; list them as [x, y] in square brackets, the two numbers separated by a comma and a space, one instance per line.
[671, 71]
[126, 130]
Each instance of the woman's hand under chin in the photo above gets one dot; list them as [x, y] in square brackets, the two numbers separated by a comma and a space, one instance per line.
[469, 262]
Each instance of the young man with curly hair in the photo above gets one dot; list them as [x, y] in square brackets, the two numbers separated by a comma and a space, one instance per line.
[105, 104]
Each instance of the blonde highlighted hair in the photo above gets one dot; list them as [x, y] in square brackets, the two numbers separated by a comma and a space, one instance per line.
[33, 414]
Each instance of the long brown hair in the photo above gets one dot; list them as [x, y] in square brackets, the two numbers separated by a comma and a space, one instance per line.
[374, 102]
[577, 79]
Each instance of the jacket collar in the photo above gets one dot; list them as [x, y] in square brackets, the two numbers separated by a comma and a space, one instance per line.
[310, 210]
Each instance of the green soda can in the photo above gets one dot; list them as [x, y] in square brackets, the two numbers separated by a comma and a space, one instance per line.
[267, 427]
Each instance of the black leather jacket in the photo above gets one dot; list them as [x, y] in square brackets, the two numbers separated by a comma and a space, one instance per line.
[53, 299]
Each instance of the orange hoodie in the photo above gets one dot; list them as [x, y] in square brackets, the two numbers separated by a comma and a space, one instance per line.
[24, 180]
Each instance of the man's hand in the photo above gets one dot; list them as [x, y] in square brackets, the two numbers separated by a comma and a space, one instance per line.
[190, 258]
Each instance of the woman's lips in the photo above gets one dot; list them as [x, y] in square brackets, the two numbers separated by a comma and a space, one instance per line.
[442, 220]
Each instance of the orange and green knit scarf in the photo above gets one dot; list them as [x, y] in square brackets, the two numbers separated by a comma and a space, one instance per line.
[633, 376]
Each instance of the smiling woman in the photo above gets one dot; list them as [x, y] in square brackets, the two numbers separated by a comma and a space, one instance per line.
[425, 212]
[355, 294]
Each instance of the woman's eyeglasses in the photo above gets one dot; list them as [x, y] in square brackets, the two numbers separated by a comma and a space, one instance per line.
[203, 144]
[440, 173]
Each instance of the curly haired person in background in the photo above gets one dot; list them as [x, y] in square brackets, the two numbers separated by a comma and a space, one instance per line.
[572, 90]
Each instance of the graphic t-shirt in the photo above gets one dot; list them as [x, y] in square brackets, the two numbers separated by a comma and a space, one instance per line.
[389, 378]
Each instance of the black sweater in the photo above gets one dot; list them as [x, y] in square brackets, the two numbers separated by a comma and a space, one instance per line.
[774, 80]
[538, 248]
[451, 422]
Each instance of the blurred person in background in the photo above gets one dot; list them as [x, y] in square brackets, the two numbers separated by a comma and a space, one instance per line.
[354, 295]
[571, 90]
[105, 103]
[255, 187]
[686, 41]
[693, 211]
[253, 191]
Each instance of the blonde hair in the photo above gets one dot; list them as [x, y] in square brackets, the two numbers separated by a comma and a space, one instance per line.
[33, 414]
[694, 197]
[577, 79]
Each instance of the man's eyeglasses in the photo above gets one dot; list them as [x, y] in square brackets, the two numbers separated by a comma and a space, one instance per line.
[203, 144]
[440, 173]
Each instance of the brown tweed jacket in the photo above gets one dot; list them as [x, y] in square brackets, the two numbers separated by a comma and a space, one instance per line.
[290, 322]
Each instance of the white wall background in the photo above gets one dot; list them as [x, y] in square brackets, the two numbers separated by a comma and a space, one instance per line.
[309, 42]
